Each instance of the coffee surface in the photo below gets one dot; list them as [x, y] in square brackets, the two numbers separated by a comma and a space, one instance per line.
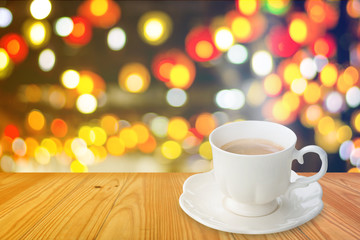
[251, 146]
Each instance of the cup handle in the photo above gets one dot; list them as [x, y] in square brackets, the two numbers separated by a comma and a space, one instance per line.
[299, 156]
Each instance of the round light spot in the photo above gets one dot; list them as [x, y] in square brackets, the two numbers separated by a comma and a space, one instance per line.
[233, 99]
[70, 79]
[308, 68]
[237, 54]
[5, 17]
[345, 150]
[334, 102]
[116, 39]
[64, 26]
[86, 103]
[47, 60]
[176, 97]
[40, 9]
[262, 63]
[171, 149]
[353, 97]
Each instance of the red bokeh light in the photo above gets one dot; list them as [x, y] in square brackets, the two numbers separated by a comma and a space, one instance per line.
[280, 42]
[59, 127]
[81, 34]
[325, 46]
[201, 35]
[11, 131]
[109, 17]
[15, 46]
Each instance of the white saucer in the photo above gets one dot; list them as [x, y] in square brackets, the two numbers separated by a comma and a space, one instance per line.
[202, 201]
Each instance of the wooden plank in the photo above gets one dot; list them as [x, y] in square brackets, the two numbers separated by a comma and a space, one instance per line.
[83, 212]
[340, 218]
[148, 208]
[26, 198]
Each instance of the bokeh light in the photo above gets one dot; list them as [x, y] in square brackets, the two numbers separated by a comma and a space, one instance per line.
[81, 33]
[6, 17]
[176, 97]
[134, 78]
[230, 99]
[262, 63]
[37, 33]
[70, 79]
[36, 120]
[171, 149]
[47, 60]
[116, 39]
[237, 54]
[86, 103]
[64, 26]
[155, 27]
[40, 9]
[223, 39]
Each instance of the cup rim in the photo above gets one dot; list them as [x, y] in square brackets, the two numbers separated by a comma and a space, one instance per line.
[213, 145]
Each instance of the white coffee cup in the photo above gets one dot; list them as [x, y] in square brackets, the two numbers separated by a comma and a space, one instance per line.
[252, 184]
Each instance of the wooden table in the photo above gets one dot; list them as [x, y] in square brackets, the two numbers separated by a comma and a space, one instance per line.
[144, 206]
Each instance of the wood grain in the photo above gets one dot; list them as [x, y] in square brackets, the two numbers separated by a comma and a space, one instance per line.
[145, 206]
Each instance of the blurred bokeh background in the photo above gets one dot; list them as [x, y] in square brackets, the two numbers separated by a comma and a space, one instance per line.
[103, 85]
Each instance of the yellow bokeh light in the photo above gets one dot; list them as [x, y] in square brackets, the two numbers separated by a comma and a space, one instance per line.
[67, 147]
[70, 79]
[86, 84]
[279, 112]
[134, 78]
[77, 167]
[343, 133]
[179, 76]
[205, 150]
[290, 101]
[134, 83]
[171, 149]
[312, 93]
[40, 9]
[42, 155]
[298, 30]
[110, 124]
[155, 27]
[299, 85]
[99, 136]
[272, 85]
[248, 7]
[241, 28]
[36, 120]
[204, 49]
[31, 145]
[178, 128]
[86, 134]
[37, 33]
[129, 137]
[328, 142]
[328, 75]
[326, 125]
[99, 7]
[115, 146]
[4, 59]
[291, 72]
[356, 121]
[141, 131]
[311, 115]
[224, 39]
[49, 145]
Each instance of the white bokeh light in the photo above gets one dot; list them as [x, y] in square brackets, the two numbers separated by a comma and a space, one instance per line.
[5, 17]
[262, 63]
[86, 103]
[320, 62]
[237, 54]
[233, 99]
[345, 149]
[308, 68]
[64, 26]
[47, 60]
[40, 9]
[334, 102]
[116, 39]
[176, 97]
[353, 97]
